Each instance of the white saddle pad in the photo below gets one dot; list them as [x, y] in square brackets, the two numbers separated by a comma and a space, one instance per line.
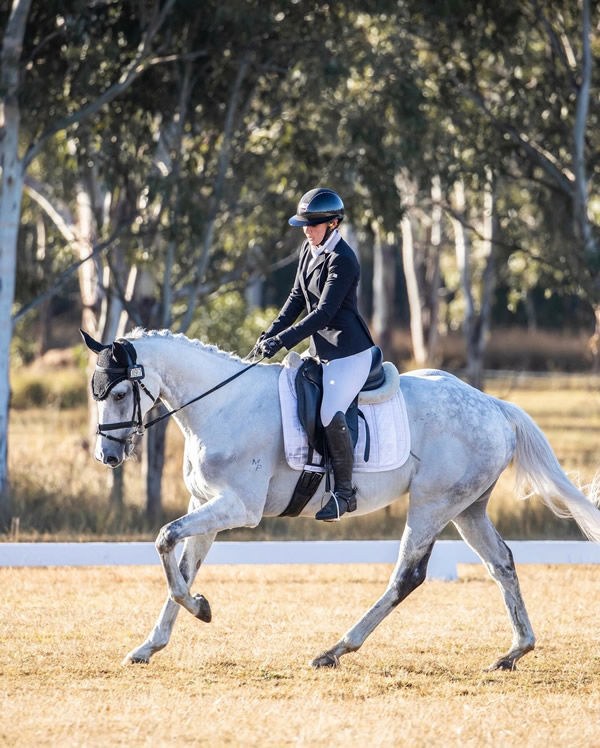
[388, 430]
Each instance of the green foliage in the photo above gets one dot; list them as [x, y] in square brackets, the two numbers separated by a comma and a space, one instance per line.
[225, 321]
[23, 347]
[242, 106]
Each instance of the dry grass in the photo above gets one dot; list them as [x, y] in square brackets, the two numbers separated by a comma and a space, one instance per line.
[244, 679]
[508, 348]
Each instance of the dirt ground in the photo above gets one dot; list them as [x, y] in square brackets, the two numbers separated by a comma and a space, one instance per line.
[245, 679]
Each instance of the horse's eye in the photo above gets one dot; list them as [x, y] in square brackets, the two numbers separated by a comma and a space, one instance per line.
[119, 395]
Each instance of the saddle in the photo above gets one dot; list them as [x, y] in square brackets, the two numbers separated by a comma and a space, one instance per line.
[309, 393]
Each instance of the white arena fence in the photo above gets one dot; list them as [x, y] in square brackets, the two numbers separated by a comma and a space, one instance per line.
[442, 565]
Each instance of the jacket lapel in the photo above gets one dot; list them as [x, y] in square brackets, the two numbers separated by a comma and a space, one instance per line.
[317, 264]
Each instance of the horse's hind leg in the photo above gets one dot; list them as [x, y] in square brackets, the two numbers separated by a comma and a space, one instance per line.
[480, 534]
[194, 552]
[409, 573]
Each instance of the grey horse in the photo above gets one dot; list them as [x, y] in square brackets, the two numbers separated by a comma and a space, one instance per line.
[236, 473]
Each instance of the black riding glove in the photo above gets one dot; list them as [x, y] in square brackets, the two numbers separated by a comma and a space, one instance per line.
[256, 347]
[270, 346]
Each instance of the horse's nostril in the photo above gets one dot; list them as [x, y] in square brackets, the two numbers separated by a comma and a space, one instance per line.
[111, 460]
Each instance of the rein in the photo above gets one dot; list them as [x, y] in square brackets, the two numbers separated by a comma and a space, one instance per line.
[204, 394]
[135, 374]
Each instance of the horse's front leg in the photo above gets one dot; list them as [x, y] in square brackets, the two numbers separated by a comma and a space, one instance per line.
[194, 552]
[222, 513]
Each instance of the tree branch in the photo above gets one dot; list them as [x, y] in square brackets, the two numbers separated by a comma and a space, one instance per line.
[223, 163]
[56, 211]
[136, 67]
[512, 246]
[65, 275]
[557, 45]
[561, 176]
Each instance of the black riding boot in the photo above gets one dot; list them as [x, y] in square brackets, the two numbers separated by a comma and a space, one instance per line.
[339, 444]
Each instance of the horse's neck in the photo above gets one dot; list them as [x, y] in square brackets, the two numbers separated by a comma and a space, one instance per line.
[186, 370]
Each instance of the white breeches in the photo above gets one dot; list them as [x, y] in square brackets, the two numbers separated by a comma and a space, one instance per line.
[342, 381]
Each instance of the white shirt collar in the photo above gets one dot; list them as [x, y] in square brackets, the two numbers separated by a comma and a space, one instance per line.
[332, 240]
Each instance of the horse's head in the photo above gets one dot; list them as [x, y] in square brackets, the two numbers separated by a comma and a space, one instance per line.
[123, 399]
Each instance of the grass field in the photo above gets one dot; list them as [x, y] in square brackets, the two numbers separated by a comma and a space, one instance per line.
[61, 492]
[244, 679]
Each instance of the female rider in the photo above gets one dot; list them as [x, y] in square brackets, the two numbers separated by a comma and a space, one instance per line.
[326, 288]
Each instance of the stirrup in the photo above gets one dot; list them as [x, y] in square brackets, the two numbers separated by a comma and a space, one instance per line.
[348, 505]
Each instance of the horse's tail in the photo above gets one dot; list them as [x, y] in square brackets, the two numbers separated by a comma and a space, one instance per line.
[537, 468]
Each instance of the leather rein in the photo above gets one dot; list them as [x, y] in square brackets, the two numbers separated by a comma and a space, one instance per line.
[135, 373]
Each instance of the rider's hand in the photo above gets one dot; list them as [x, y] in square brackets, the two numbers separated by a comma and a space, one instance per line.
[270, 346]
[256, 347]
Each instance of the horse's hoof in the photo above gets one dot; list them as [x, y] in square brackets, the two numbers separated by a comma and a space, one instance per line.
[133, 659]
[204, 613]
[325, 660]
[504, 663]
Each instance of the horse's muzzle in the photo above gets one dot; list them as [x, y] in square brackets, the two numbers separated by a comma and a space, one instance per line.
[112, 456]
[112, 461]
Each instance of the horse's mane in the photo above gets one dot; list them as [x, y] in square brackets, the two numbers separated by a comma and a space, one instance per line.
[140, 332]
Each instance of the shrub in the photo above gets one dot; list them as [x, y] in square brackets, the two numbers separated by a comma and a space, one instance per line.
[61, 389]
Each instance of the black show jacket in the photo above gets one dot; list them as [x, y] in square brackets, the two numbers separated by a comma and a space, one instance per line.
[328, 294]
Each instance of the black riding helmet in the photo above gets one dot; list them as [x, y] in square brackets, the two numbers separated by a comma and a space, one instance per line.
[318, 206]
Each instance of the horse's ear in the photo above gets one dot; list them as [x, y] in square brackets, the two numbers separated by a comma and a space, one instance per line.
[119, 353]
[92, 344]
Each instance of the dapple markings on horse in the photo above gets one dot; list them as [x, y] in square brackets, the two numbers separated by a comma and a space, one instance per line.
[235, 470]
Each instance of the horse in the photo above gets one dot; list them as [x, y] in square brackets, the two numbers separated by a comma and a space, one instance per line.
[236, 473]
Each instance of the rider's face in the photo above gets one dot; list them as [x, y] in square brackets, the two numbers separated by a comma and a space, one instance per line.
[315, 234]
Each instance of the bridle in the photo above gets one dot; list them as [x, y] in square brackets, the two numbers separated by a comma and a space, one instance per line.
[134, 373]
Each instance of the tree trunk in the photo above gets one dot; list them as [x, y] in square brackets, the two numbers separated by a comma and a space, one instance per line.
[253, 294]
[581, 197]
[530, 312]
[10, 212]
[432, 274]
[153, 460]
[476, 323]
[115, 485]
[422, 274]
[413, 293]
[384, 278]
[45, 313]
[88, 290]
[100, 317]
[595, 341]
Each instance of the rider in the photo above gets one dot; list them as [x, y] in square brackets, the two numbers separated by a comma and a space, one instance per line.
[326, 288]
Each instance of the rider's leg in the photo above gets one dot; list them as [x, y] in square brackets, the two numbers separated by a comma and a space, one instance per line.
[342, 380]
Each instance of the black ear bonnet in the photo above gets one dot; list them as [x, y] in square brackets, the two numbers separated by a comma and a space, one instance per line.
[116, 363]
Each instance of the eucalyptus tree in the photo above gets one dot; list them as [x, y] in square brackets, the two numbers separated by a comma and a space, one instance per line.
[525, 70]
[56, 70]
[155, 162]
